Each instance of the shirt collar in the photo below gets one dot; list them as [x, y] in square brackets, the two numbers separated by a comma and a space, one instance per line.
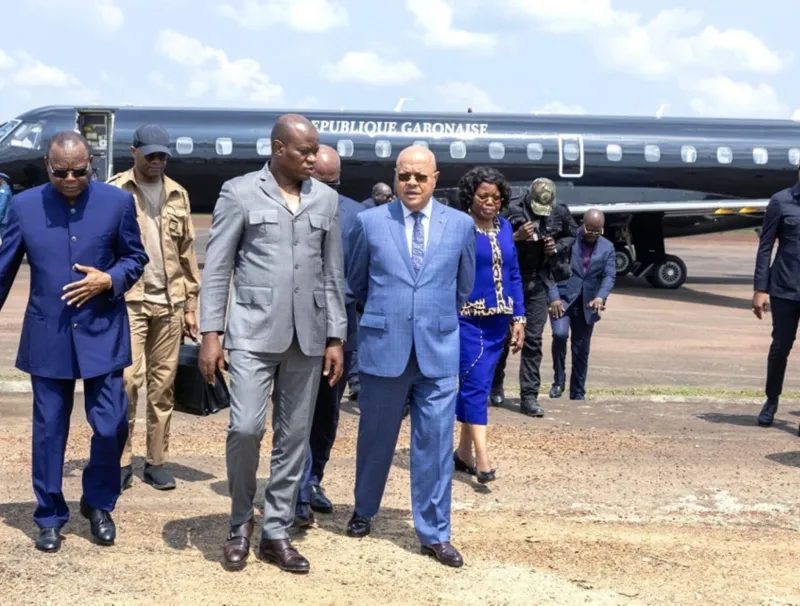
[426, 210]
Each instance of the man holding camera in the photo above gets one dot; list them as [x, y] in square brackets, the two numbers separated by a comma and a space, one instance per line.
[544, 232]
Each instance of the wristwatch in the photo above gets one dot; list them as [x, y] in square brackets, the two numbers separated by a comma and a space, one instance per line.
[335, 341]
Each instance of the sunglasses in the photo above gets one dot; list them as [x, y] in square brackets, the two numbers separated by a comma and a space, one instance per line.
[418, 177]
[593, 232]
[63, 173]
[156, 156]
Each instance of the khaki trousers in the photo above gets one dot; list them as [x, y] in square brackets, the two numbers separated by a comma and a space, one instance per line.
[155, 344]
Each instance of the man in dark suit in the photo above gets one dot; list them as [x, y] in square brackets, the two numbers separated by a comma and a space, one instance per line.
[328, 169]
[777, 288]
[381, 194]
[85, 251]
[576, 303]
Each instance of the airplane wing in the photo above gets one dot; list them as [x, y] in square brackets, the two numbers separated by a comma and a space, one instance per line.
[680, 208]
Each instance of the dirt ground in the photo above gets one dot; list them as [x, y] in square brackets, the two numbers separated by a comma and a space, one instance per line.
[619, 500]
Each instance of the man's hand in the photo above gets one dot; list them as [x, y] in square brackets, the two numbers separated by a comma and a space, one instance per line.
[95, 282]
[524, 232]
[597, 305]
[557, 308]
[760, 303]
[517, 336]
[190, 325]
[549, 246]
[334, 362]
[211, 357]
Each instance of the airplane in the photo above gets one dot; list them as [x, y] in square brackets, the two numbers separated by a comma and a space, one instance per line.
[654, 177]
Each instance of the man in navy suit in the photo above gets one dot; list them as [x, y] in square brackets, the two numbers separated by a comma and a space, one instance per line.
[412, 264]
[84, 250]
[777, 289]
[576, 303]
[328, 169]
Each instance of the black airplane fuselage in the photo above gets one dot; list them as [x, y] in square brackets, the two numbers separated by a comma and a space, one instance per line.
[681, 170]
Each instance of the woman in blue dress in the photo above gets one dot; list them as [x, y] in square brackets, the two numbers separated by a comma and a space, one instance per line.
[495, 304]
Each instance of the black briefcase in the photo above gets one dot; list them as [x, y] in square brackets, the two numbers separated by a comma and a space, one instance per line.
[192, 393]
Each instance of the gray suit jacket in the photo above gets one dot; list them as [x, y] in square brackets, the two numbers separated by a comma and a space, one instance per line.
[287, 269]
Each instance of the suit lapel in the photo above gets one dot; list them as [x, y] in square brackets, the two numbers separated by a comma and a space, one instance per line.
[269, 186]
[595, 254]
[397, 227]
[577, 257]
[435, 231]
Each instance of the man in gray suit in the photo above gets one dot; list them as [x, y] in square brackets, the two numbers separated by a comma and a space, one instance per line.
[276, 232]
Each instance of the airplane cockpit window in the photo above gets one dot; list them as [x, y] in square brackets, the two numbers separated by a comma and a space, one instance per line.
[614, 152]
[383, 148]
[7, 127]
[652, 153]
[724, 155]
[27, 135]
[264, 147]
[184, 145]
[345, 147]
[535, 151]
[458, 149]
[794, 156]
[689, 154]
[224, 146]
[760, 155]
[496, 150]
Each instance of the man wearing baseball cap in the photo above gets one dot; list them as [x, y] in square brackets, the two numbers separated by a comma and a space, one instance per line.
[544, 232]
[162, 305]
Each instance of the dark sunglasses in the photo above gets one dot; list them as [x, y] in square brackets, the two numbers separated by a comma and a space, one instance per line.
[63, 173]
[418, 177]
[156, 155]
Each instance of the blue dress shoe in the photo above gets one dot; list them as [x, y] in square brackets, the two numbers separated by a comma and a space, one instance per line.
[49, 540]
[767, 415]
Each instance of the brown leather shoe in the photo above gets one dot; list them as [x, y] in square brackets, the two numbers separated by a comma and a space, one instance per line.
[281, 552]
[445, 553]
[237, 545]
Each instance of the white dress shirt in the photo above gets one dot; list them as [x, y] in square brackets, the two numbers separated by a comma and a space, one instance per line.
[426, 222]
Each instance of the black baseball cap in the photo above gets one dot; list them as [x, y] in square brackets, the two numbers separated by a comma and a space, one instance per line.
[151, 139]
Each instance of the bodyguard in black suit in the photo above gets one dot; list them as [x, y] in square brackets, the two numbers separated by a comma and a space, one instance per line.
[777, 288]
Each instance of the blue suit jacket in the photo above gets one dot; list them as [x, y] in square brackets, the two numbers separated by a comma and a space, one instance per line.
[597, 282]
[60, 341]
[402, 310]
[782, 223]
[348, 209]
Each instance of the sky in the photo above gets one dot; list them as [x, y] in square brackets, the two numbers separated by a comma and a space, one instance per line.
[720, 58]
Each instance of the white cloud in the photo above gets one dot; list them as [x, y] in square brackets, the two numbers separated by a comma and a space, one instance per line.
[462, 95]
[303, 15]
[723, 97]
[436, 17]
[367, 67]
[105, 15]
[558, 107]
[796, 115]
[212, 73]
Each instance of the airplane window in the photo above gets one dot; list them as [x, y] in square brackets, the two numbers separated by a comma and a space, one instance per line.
[27, 135]
[422, 144]
[652, 153]
[7, 127]
[224, 146]
[794, 156]
[496, 150]
[264, 147]
[344, 147]
[724, 155]
[571, 151]
[760, 155]
[688, 154]
[535, 151]
[458, 149]
[383, 148]
[614, 152]
[184, 145]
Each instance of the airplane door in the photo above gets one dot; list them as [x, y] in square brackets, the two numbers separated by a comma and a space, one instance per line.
[97, 126]
[570, 156]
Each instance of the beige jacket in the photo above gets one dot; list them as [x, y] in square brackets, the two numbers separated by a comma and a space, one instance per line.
[177, 242]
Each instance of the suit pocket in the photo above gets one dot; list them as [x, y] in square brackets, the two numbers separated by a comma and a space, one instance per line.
[250, 319]
[258, 296]
[103, 252]
[373, 321]
[264, 225]
[448, 323]
[176, 222]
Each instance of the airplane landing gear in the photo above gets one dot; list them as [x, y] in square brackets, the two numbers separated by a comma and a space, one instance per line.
[670, 274]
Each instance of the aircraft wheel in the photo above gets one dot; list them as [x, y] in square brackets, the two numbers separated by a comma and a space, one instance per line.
[670, 274]
[624, 261]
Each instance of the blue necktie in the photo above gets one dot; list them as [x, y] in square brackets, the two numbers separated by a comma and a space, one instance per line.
[417, 242]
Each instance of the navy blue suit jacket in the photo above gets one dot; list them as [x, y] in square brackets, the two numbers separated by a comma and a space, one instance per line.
[781, 222]
[348, 209]
[598, 280]
[100, 230]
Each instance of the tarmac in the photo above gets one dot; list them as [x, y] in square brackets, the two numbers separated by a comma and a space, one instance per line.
[659, 489]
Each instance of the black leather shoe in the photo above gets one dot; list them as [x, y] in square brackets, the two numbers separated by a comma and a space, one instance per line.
[497, 397]
[319, 501]
[49, 540]
[556, 391]
[484, 477]
[158, 477]
[126, 477]
[358, 527]
[531, 408]
[460, 465]
[303, 518]
[767, 415]
[445, 553]
[103, 528]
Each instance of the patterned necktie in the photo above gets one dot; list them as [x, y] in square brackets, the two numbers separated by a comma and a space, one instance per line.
[417, 242]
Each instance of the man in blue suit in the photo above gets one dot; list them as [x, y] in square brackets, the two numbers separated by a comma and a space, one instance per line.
[576, 303]
[84, 250]
[328, 169]
[412, 264]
